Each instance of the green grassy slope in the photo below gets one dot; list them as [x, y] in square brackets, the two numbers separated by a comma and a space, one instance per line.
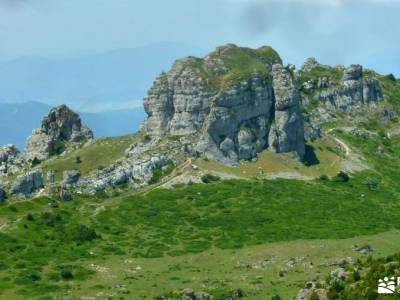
[42, 241]
[94, 156]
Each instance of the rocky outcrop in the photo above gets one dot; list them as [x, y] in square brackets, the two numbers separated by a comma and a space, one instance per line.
[309, 64]
[287, 132]
[238, 123]
[10, 160]
[336, 89]
[61, 125]
[136, 171]
[226, 116]
[352, 91]
[27, 184]
[71, 177]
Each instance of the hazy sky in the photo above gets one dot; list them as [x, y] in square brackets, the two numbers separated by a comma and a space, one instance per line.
[334, 31]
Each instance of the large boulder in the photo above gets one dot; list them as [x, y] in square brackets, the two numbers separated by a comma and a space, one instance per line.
[71, 177]
[61, 125]
[27, 184]
[10, 159]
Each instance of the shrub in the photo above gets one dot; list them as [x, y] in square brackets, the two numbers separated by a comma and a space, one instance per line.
[78, 159]
[66, 274]
[35, 162]
[342, 177]
[84, 234]
[276, 297]
[208, 178]
[58, 147]
[156, 177]
[323, 177]
[391, 77]
[314, 296]
[372, 183]
[29, 217]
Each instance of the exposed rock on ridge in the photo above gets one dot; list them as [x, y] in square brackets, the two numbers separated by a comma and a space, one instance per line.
[225, 104]
[27, 184]
[10, 160]
[59, 126]
[287, 132]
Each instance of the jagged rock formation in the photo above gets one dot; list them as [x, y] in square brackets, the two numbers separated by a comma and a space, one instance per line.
[328, 90]
[228, 106]
[27, 184]
[287, 132]
[10, 160]
[225, 104]
[135, 170]
[61, 125]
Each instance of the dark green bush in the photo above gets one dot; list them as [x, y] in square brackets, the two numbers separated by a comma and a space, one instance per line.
[208, 178]
[82, 233]
[66, 274]
[342, 177]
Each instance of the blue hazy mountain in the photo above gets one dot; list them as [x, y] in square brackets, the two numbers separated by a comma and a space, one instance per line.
[18, 120]
[91, 80]
[105, 82]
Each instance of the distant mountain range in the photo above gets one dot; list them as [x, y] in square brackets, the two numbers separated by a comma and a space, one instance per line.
[104, 81]
[18, 120]
[110, 85]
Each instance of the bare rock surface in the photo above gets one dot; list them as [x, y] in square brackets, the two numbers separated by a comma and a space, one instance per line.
[10, 160]
[27, 184]
[61, 125]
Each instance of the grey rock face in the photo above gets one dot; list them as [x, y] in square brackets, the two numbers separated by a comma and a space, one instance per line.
[137, 171]
[65, 195]
[2, 193]
[238, 123]
[10, 160]
[27, 184]
[178, 102]
[354, 92]
[224, 124]
[71, 177]
[287, 132]
[60, 125]
[50, 176]
[231, 124]
[354, 72]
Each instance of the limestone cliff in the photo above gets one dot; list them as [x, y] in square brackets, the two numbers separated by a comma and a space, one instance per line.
[61, 125]
[226, 103]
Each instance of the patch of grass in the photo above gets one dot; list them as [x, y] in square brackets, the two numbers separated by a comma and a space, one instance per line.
[334, 75]
[240, 62]
[101, 152]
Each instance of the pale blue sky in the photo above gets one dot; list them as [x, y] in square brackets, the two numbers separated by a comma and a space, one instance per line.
[334, 31]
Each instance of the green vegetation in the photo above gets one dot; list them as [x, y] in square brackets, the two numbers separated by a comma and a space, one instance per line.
[208, 178]
[391, 90]
[240, 62]
[101, 152]
[363, 285]
[213, 237]
[335, 75]
[58, 147]
[185, 220]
